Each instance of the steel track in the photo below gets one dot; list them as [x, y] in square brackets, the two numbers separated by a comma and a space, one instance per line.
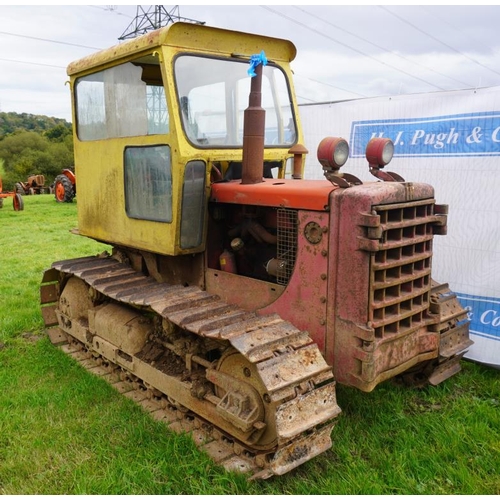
[296, 378]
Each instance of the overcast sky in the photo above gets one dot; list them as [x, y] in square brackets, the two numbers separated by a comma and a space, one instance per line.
[343, 52]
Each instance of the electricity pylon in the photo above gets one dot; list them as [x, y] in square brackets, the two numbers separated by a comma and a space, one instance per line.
[156, 16]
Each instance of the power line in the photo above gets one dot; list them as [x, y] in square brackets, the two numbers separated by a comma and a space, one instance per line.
[379, 47]
[439, 41]
[444, 21]
[34, 63]
[48, 40]
[330, 85]
[306, 98]
[351, 48]
[112, 9]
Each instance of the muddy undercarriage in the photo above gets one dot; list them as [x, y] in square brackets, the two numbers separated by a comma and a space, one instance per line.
[254, 390]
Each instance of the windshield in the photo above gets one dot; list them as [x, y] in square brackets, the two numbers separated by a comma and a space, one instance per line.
[213, 94]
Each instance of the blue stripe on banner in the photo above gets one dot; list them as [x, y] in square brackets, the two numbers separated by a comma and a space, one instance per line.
[470, 134]
[484, 315]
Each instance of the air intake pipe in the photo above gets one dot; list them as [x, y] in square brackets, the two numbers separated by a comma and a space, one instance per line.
[254, 123]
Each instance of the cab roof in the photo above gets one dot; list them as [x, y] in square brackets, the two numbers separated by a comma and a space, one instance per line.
[190, 37]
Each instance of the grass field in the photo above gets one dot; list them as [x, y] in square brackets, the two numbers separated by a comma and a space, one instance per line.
[64, 431]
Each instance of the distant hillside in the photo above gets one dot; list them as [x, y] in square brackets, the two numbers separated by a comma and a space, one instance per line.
[33, 144]
[11, 122]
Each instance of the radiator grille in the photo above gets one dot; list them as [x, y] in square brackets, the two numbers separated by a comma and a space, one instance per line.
[401, 268]
[287, 243]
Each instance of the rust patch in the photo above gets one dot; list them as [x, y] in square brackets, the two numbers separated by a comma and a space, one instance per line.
[310, 357]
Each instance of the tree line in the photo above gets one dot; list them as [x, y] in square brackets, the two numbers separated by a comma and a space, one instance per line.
[33, 144]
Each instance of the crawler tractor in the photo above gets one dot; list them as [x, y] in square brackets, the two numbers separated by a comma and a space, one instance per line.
[237, 294]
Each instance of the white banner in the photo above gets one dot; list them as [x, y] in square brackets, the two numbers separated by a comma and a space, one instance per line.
[450, 140]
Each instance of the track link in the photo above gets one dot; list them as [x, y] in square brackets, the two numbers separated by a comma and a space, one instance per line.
[297, 382]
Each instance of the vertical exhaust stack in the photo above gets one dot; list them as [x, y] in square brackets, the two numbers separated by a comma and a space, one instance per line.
[254, 122]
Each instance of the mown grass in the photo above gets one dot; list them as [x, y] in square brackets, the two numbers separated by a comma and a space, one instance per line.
[64, 431]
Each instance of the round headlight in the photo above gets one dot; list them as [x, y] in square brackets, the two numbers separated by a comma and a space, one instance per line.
[379, 151]
[333, 152]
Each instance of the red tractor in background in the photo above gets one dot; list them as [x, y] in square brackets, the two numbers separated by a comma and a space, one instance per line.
[65, 186]
[17, 199]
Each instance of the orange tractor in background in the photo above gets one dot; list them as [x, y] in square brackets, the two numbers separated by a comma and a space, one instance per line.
[65, 186]
[17, 199]
[35, 184]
